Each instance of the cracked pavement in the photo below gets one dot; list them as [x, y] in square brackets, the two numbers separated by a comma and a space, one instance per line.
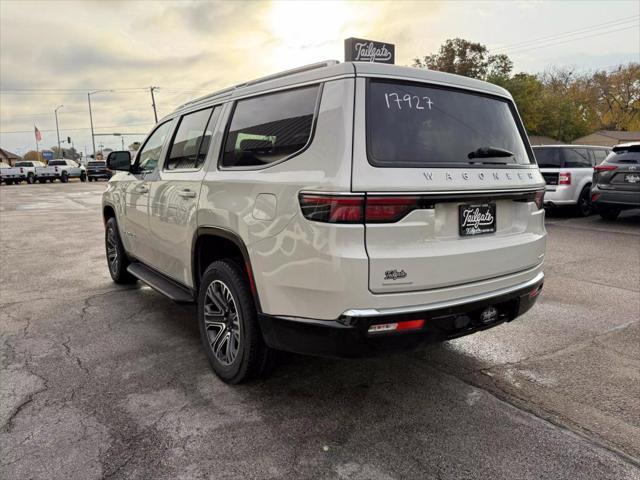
[102, 381]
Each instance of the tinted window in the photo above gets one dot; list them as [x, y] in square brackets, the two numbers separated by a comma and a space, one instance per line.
[576, 158]
[548, 157]
[600, 155]
[97, 164]
[23, 164]
[191, 141]
[57, 162]
[150, 154]
[411, 125]
[269, 128]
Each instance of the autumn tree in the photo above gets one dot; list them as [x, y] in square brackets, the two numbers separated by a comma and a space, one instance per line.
[466, 58]
[34, 156]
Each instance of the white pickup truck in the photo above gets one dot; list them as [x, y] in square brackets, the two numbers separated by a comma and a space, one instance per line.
[24, 170]
[62, 169]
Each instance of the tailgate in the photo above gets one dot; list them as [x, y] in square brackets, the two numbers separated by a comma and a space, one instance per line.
[426, 250]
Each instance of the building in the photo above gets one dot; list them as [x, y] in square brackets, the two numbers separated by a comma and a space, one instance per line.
[8, 157]
[540, 140]
[608, 138]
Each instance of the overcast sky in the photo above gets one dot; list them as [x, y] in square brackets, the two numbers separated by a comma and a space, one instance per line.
[51, 52]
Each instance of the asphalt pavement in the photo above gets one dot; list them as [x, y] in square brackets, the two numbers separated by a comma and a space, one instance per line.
[103, 381]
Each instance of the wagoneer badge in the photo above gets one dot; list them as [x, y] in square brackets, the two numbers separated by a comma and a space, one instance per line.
[394, 274]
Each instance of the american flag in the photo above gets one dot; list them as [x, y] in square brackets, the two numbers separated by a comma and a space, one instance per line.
[38, 134]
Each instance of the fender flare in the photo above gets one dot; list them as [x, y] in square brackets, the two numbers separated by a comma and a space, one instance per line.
[236, 240]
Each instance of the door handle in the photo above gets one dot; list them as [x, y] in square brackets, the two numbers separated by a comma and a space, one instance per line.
[186, 193]
[141, 189]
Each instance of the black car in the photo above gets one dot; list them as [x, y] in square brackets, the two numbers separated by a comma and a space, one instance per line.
[98, 169]
[616, 181]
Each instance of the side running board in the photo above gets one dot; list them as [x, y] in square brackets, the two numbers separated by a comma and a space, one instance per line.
[160, 283]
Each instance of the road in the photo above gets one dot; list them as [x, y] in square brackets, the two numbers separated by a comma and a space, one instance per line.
[102, 381]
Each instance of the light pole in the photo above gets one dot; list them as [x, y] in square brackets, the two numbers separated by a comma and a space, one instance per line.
[93, 142]
[153, 103]
[55, 112]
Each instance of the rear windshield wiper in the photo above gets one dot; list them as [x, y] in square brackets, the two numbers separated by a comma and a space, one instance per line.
[490, 152]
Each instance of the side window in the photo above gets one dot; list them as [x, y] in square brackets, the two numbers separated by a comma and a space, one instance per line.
[149, 154]
[270, 127]
[600, 155]
[576, 158]
[548, 157]
[192, 139]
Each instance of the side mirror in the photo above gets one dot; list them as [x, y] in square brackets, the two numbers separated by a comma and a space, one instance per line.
[119, 161]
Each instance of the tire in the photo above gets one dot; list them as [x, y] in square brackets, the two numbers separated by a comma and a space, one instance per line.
[90, 179]
[64, 178]
[83, 177]
[117, 259]
[51, 180]
[42, 180]
[609, 213]
[9, 182]
[231, 320]
[31, 179]
[584, 208]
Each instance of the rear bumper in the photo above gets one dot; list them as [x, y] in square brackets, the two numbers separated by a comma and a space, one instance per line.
[99, 174]
[349, 336]
[560, 195]
[619, 198]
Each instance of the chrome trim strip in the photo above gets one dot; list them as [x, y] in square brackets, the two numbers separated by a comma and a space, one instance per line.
[378, 312]
[531, 189]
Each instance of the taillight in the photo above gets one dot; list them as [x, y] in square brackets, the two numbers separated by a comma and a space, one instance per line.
[329, 208]
[564, 178]
[539, 199]
[604, 168]
[56, 168]
[332, 208]
[389, 209]
[21, 170]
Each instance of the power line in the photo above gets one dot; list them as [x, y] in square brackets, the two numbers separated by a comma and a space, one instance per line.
[598, 26]
[80, 128]
[553, 44]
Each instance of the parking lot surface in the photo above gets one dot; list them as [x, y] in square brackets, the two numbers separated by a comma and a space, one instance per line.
[103, 381]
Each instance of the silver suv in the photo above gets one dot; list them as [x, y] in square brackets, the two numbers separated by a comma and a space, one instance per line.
[568, 172]
[337, 209]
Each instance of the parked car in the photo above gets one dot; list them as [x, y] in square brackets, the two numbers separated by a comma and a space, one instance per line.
[24, 170]
[616, 181]
[568, 170]
[61, 169]
[2, 167]
[97, 169]
[336, 209]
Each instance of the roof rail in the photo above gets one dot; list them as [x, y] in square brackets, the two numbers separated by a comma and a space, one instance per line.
[286, 73]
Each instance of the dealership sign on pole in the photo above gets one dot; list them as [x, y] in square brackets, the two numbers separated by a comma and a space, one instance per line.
[360, 50]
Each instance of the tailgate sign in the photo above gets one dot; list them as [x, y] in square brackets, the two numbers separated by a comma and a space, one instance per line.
[477, 219]
[360, 50]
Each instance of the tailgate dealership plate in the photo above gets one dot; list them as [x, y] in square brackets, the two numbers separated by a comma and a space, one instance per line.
[632, 178]
[477, 219]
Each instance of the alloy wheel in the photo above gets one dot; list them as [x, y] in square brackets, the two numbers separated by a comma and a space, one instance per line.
[112, 249]
[222, 322]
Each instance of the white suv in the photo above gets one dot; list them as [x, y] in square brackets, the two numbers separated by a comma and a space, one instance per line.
[337, 209]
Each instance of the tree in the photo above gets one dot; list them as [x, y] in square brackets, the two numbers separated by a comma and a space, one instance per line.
[617, 100]
[33, 155]
[528, 93]
[466, 58]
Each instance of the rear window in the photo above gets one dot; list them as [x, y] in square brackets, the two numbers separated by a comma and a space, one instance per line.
[270, 128]
[548, 157]
[57, 162]
[97, 164]
[412, 125]
[23, 164]
[576, 158]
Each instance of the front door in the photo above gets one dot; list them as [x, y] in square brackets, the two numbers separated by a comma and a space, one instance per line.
[174, 195]
[145, 170]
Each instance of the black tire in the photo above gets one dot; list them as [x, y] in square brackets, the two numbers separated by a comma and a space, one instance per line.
[64, 178]
[91, 179]
[52, 179]
[113, 245]
[42, 180]
[609, 213]
[9, 182]
[31, 179]
[83, 177]
[584, 208]
[236, 321]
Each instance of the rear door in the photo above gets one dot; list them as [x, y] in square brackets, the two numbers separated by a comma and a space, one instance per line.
[579, 166]
[550, 162]
[174, 194]
[450, 184]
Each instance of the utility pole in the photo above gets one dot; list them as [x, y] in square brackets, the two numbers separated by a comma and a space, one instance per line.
[93, 141]
[153, 103]
[57, 129]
